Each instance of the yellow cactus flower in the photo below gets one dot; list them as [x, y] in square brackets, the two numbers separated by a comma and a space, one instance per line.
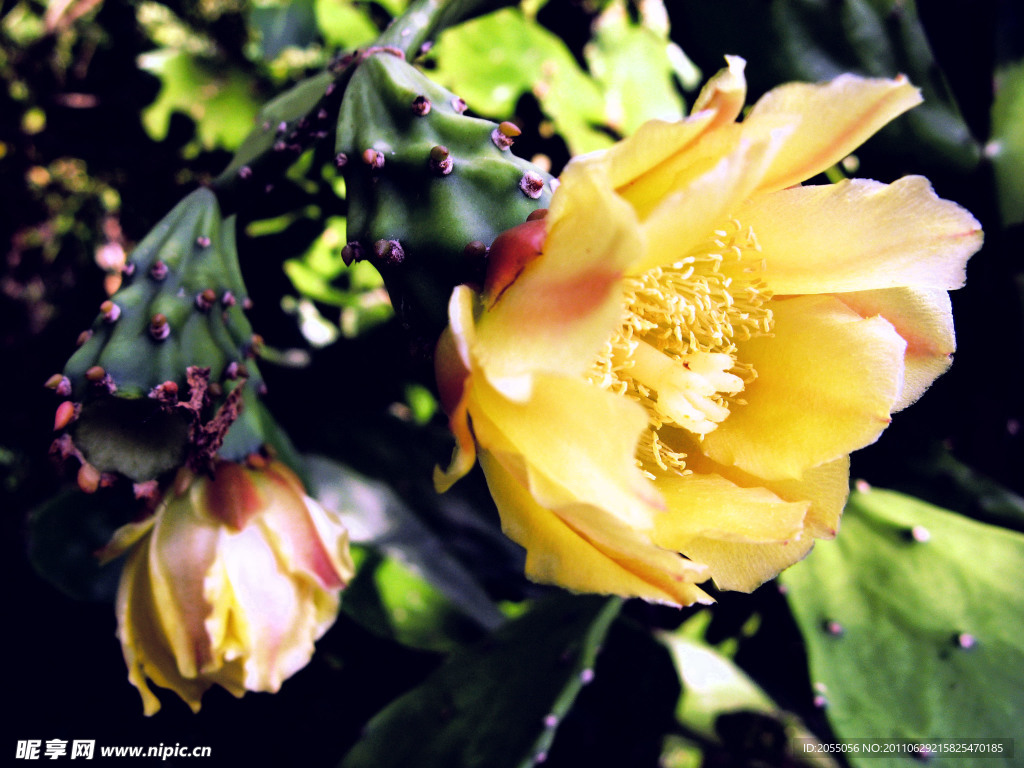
[664, 378]
[229, 582]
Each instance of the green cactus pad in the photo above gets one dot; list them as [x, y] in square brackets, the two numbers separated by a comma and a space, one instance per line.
[912, 623]
[181, 307]
[422, 174]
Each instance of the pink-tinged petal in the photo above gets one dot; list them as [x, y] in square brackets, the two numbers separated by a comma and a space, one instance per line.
[333, 538]
[827, 380]
[182, 550]
[232, 497]
[710, 506]
[860, 235]
[834, 119]
[605, 557]
[453, 365]
[288, 521]
[271, 616]
[561, 306]
[924, 318]
[724, 94]
[569, 456]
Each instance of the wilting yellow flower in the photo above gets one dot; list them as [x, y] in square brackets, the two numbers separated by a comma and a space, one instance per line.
[680, 357]
[229, 582]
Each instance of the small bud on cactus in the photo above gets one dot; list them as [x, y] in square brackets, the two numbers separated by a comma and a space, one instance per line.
[421, 106]
[66, 413]
[351, 252]
[110, 311]
[373, 158]
[389, 252]
[89, 478]
[159, 328]
[158, 271]
[206, 299]
[441, 161]
[505, 134]
[60, 384]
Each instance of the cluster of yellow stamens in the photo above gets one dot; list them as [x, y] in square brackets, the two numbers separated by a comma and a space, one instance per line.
[675, 352]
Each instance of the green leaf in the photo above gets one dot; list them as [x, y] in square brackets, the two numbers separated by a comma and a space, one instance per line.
[392, 600]
[289, 25]
[377, 517]
[817, 40]
[911, 618]
[712, 683]
[343, 24]
[1005, 150]
[219, 98]
[491, 62]
[499, 703]
[630, 61]
[64, 535]
[725, 709]
[289, 107]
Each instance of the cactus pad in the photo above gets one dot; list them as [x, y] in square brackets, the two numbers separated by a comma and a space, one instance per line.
[165, 351]
[427, 184]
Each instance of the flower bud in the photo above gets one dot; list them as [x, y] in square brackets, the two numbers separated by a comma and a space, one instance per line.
[229, 582]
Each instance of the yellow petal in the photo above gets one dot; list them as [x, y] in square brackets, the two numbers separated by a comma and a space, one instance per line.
[924, 318]
[604, 557]
[745, 535]
[655, 152]
[824, 488]
[182, 551]
[826, 383]
[744, 567]
[570, 454]
[124, 538]
[710, 506]
[561, 307]
[143, 643]
[834, 119]
[660, 155]
[724, 94]
[686, 218]
[859, 235]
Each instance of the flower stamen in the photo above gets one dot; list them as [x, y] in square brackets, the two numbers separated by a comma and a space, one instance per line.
[675, 352]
